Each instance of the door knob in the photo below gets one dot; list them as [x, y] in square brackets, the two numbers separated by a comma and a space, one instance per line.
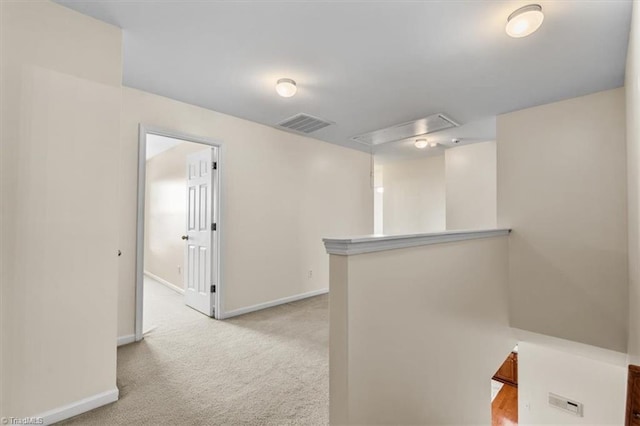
[185, 237]
[636, 415]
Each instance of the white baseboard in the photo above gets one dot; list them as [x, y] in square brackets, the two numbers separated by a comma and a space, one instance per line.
[125, 340]
[79, 407]
[164, 282]
[273, 303]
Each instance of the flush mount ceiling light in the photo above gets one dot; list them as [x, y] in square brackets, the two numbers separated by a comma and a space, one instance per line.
[421, 143]
[286, 87]
[524, 21]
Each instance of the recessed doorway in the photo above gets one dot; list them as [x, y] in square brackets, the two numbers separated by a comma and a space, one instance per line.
[179, 224]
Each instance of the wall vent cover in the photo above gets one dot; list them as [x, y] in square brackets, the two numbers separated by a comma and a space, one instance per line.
[304, 123]
[411, 129]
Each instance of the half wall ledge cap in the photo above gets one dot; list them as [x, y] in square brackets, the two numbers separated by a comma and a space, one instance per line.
[372, 243]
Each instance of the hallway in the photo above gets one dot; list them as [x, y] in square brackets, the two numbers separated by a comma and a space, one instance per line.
[264, 368]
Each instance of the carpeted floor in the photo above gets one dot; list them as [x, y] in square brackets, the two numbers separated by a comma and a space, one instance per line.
[265, 368]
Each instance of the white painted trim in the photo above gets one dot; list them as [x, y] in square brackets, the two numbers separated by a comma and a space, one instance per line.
[143, 130]
[79, 407]
[273, 303]
[164, 282]
[372, 243]
[125, 340]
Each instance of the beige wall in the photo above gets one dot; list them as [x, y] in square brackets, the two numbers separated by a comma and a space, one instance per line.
[61, 74]
[429, 194]
[562, 189]
[166, 212]
[632, 85]
[414, 196]
[417, 333]
[593, 376]
[471, 186]
[281, 194]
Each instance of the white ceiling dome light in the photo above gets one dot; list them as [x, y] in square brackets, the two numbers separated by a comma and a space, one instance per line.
[286, 87]
[421, 143]
[525, 21]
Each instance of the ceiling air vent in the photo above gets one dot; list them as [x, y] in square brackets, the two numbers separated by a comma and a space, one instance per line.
[304, 123]
[411, 129]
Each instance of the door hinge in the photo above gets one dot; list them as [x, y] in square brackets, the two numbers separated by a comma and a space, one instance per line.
[214, 165]
[213, 289]
[214, 226]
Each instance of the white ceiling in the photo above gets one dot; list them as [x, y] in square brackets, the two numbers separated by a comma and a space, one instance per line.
[157, 144]
[366, 65]
[473, 132]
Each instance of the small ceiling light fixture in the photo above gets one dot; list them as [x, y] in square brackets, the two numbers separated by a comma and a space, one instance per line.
[286, 87]
[525, 21]
[421, 143]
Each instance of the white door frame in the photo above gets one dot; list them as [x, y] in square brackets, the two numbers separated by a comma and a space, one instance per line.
[145, 130]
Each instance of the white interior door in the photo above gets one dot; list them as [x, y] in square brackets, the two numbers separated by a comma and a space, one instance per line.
[200, 245]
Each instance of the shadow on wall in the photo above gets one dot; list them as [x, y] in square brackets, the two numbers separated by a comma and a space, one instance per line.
[534, 274]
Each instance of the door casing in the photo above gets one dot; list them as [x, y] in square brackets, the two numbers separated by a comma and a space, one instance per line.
[143, 131]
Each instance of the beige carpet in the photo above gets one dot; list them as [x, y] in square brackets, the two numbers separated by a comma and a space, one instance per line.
[265, 368]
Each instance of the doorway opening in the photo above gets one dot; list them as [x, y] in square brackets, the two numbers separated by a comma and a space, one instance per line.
[504, 392]
[178, 226]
